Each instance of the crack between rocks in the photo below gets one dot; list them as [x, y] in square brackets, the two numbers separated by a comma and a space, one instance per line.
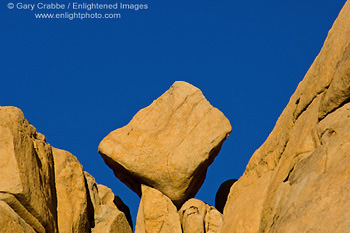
[335, 69]
[346, 101]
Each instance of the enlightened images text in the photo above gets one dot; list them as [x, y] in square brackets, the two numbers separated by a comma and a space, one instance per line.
[81, 6]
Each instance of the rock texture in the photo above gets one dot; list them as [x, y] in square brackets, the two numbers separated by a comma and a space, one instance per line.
[73, 209]
[10, 221]
[27, 185]
[169, 144]
[44, 189]
[107, 216]
[157, 213]
[298, 180]
[196, 216]
[83, 205]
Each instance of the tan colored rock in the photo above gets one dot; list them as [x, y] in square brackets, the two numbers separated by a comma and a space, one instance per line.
[93, 190]
[37, 180]
[108, 218]
[27, 182]
[22, 213]
[11, 222]
[196, 216]
[72, 195]
[317, 189]
[157, 213]
[169, 144]
[297, 180]
[213, 220]
[84, 205]
[192, 214]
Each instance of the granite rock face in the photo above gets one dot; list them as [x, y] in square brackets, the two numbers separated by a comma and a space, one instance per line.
[27, 180]
[298, 180]
[169, 144]
[44, 189]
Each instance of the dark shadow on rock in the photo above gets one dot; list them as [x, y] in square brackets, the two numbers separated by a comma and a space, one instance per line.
[222, 194]
[90, 209]
[123, 208]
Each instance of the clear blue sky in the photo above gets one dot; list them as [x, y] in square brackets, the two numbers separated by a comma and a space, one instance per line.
[77, 80]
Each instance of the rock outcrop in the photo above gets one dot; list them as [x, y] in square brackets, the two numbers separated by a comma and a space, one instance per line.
[44, 189]
[107, 216]
[169, 144]
[72, 196]
[27, 180]
[196, 216]
[298, 180]
[157, 213]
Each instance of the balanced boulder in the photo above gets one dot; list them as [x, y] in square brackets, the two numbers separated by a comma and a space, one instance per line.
[169, 144]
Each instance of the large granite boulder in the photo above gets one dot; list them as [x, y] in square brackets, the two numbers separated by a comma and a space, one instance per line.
[169, 144]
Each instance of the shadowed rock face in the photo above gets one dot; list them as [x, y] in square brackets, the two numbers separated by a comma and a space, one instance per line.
[298, 180]
[222, 194]
[169, 144]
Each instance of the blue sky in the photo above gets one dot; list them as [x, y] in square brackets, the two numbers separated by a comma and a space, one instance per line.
[77, 80]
